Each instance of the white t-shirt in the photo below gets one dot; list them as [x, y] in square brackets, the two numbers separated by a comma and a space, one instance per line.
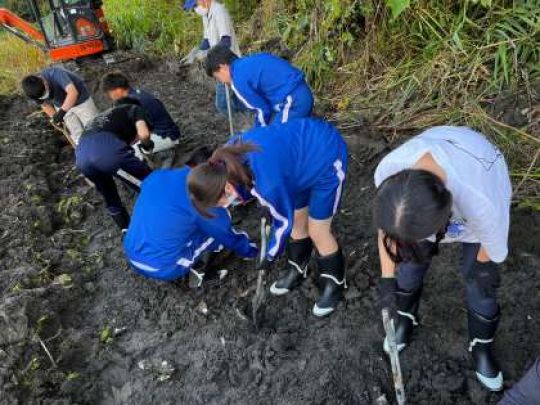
[477, 177]
[218, 23]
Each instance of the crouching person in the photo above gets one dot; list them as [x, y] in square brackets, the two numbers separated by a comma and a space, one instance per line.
[165, 133]
[169, 239]
[105, 151]
[448, 184]
[296, 171]
[63, 96]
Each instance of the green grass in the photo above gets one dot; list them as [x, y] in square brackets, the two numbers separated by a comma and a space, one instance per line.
[17, 58]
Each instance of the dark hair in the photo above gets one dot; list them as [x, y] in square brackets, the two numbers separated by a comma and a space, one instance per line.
[409, 207]
[206, 182]
[33, 86]
[217, 56]
[199, 155]
[114, 80]
[127, 101]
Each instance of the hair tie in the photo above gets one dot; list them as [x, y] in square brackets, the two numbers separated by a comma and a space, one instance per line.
[217, 163]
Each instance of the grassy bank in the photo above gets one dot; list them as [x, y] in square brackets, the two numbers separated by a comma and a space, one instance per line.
[17, 58]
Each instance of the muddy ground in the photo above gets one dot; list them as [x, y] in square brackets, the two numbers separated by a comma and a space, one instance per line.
[117, 338]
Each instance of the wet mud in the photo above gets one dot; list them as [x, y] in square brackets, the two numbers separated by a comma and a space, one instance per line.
[78, 327]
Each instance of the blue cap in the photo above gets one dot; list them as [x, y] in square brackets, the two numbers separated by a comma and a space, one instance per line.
[190, 4]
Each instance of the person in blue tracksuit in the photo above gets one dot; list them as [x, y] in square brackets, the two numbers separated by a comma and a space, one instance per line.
[270, 86]
[296, 171]
[105, 148]
[168, 238]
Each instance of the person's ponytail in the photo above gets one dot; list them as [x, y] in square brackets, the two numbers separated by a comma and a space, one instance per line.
[206, 182]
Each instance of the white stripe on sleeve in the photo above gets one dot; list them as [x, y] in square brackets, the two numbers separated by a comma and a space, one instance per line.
[188, 262]
[279, 231]
[260, 113]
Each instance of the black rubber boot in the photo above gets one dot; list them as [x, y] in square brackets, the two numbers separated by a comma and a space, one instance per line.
[121, 219]
[407, 317]
[481, 336]
[205, 271]
[332, 280]
[299, 254]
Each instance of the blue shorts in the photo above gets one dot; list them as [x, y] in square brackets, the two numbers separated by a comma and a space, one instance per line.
[174, 270]
[324, 198]
[298, 104]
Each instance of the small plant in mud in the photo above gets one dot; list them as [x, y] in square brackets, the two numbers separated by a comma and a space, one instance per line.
[72, 376]
[69, 208]
[106, 335]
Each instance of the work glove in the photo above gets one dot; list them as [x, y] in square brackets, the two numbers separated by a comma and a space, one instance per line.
[190, 57]
[387, 295]
[201, 55]
[487, 278]
[146, 147]
[58, 117]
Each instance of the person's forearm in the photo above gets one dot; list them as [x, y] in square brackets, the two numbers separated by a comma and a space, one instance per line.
[482, 255]
[388, 267]
[48, 109]
[143, 132]
[72, 94]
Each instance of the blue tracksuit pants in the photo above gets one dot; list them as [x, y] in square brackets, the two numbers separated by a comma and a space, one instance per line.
[298, 104]
[99, 156]
[410, 277]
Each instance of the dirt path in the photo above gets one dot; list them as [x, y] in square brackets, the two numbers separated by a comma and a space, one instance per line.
[117, 338]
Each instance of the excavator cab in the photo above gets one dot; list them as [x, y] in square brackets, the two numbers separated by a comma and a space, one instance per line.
[66, 29]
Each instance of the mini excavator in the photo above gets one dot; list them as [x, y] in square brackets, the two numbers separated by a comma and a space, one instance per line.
[64, 29]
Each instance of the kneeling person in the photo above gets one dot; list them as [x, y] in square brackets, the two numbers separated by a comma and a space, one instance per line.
[63, 96]
[165, 133]
[168, 238]
[105, 151]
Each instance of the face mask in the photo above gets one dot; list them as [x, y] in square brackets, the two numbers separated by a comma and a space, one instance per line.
[201, 11]
[232, 201]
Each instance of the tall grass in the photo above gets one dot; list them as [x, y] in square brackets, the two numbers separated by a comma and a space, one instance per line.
[17, 58]
[405, 65]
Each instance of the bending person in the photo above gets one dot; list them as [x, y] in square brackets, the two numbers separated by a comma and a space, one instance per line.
[270, 86]
[218, 29]
[168, 239]
[448, 184]
[165, 133]
[296, 171]
[105, 148]
[63, 97]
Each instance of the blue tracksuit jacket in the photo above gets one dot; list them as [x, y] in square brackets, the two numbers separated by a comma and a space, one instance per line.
[300, 163]
[262, 82]
[166, 234]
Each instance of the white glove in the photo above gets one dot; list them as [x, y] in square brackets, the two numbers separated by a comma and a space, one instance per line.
[201, 55]
[190, 57]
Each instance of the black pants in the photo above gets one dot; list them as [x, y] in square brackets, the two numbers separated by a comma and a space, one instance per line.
[99, 156]
[410, 277]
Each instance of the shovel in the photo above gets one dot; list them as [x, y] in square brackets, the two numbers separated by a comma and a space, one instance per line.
[258, 298]
[390, 330]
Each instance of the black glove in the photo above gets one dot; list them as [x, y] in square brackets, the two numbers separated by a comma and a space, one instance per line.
[146, 146]
[487, 278]
[387, 295]
[58, 116]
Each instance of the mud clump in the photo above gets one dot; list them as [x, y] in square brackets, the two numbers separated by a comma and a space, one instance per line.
[115, 337]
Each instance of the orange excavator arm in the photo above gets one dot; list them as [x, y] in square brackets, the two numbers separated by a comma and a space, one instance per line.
[12, 21]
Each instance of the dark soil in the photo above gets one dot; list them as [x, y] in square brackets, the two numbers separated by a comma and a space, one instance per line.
[117, 338]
